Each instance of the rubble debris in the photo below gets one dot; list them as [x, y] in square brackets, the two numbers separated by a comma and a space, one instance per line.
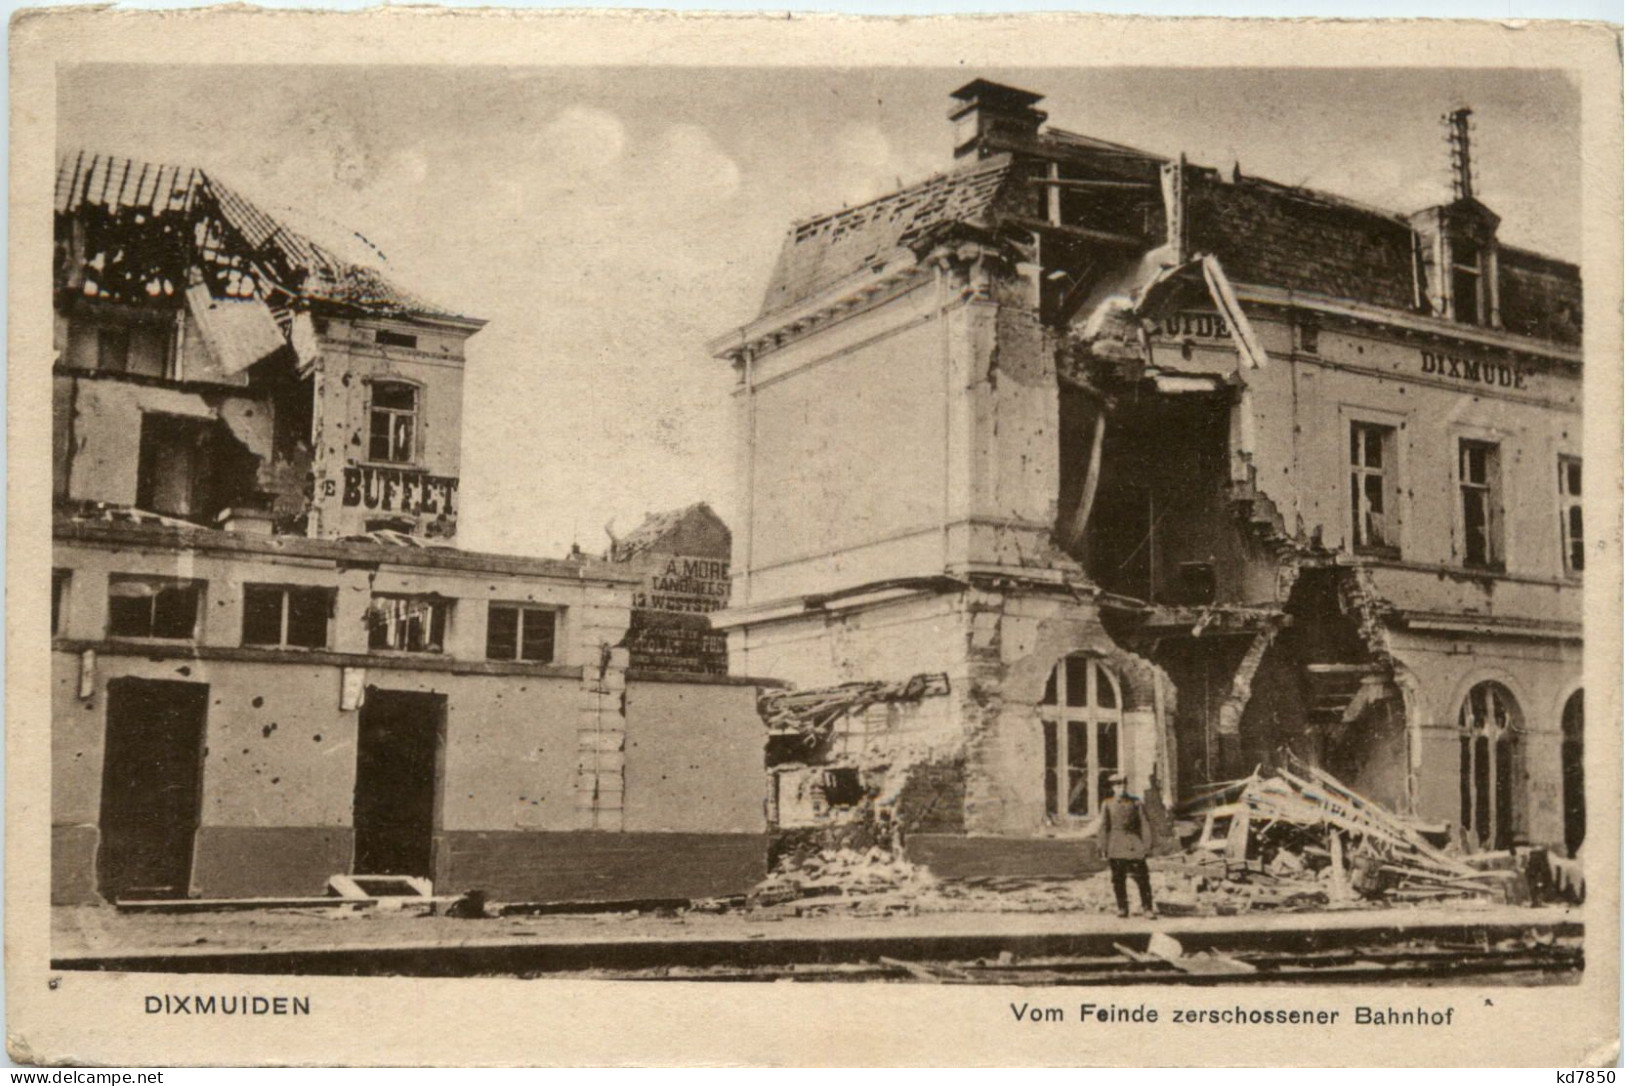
[1164, 947]
[625, 905]
[1314, 828]
[810, 715]
[471, 906]
[1283, 842]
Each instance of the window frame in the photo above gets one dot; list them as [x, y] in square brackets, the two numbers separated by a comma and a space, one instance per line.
[159, 584]
[441, 615]
[1387, 472]
[415, 415]
[1502, 738]
[1056, 718]
[1495, 541]
[520, 610]
[1569, 503]
[1475, 269]
[285, 612]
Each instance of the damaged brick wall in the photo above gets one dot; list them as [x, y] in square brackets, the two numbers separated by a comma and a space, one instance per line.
[1015, 641]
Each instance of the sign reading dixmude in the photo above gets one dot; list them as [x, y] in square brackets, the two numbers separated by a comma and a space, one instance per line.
[1473, 372]
[400, 491]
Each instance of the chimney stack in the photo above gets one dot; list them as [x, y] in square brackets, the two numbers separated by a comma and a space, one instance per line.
[985, 113]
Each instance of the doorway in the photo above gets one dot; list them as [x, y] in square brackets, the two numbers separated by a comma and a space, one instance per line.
[397, 782]
[152, 787]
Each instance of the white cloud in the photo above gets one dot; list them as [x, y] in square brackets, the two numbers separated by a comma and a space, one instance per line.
[582, 139]
[861, 164]
[688, 157]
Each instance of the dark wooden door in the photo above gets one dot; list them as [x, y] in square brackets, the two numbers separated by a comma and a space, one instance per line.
[397, 782]
[152, 787]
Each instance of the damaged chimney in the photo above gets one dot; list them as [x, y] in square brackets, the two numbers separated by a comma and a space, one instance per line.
[985, 111]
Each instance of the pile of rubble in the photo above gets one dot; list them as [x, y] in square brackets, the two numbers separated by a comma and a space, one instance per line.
[1283, 842]
[870, 881]
[1312, 832]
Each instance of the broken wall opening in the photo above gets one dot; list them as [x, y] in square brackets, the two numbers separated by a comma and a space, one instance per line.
[286, 474]
[1161, 525]
[192, 468]
[1372, 751]
[1203, 670]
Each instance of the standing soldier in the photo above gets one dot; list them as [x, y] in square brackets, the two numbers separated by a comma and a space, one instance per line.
[1125, 838]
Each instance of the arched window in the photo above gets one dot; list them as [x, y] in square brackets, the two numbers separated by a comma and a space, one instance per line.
[1491, 728]
[392, 422]
[1082, 714]
[1574, 772]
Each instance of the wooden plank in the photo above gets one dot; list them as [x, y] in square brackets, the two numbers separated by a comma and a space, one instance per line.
[240, 904]
[1068, 183]
[913, 969]
[1137, 955]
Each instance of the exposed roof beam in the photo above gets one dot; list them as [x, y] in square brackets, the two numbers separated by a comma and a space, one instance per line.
[1069, 183]
[1082, 233]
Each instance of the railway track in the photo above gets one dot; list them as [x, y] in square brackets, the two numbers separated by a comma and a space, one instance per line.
[1533, 964]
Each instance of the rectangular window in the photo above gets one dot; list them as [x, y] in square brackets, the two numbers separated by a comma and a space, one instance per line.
[1372, 486]
[1467, 282]
[1309, 337]
[1479, 476]
[59, 598]
[386, 338]
[1573, 527]
[392, 422]
[153, 607]
[520, 633]
[286, 617]
[408, 623]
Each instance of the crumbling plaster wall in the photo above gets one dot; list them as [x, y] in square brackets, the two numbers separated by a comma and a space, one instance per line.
[98, 423]
[1012, 496]
[1014, 642]
[998, 649]
[343, 392]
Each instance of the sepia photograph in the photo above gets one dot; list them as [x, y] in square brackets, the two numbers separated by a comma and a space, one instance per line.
[1048, 528]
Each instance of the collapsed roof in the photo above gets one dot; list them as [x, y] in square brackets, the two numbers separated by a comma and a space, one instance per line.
[139, 232]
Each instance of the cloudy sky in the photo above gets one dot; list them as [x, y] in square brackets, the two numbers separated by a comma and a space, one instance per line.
[609, 222]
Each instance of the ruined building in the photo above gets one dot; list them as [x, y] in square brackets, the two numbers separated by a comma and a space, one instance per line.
[1078, 458]
[269, 665]
[682, 556]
